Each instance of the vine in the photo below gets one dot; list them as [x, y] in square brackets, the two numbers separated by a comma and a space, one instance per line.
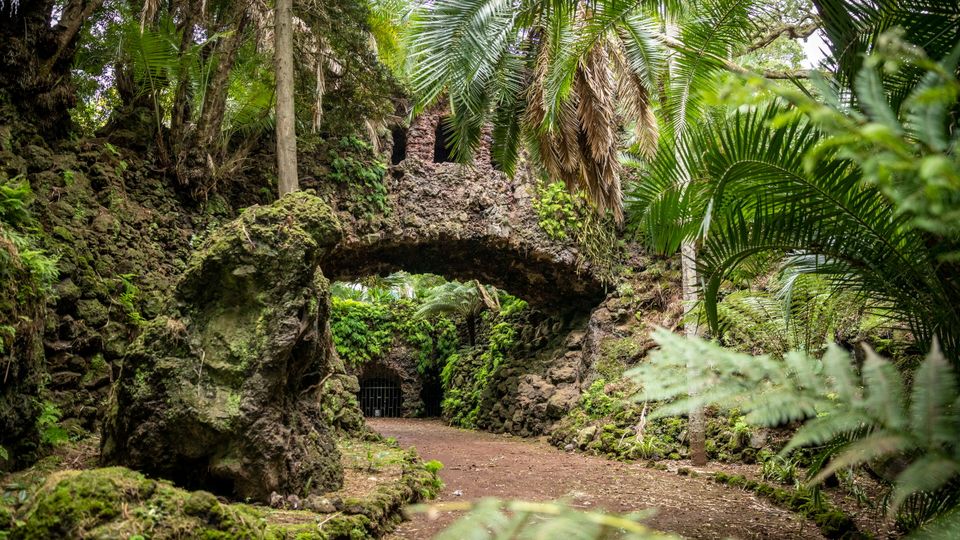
[364, 331]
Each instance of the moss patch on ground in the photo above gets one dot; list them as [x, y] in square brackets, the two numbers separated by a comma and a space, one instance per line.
[832, 521]
[49, 502]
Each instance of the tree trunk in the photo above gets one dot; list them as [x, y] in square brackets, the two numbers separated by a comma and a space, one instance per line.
[286, 131]
[215, 100]
[696, 425]
[199, 152]
[35, 58]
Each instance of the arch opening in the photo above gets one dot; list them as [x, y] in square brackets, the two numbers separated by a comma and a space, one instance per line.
[380, 394]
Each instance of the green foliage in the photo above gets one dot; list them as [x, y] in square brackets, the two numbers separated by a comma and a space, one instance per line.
[365, 89]
[366, 321]
[354, 164]
[388, 20]
[433, 466]
[455, 298]
[51, 433]
[563, 215]
[782, 469]
[128, 299]
[856, 417]
[597, 403]
[851, 194]
[833, 523]
[556, 211]
[493, 519]
[468, 374]
[359, 332]
[27, 273]
[802, 312]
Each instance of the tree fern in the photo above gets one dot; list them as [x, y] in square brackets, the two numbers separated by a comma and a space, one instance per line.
[868, 412]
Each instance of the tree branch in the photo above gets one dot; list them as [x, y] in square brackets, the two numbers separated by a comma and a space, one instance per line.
[74, 15]
[803, 29]
[733, 66]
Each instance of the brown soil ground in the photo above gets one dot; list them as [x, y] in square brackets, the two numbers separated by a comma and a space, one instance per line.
[478, 464]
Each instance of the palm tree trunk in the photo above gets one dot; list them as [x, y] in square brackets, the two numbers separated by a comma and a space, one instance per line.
[286, 131]
[696, 423]
[215, 96]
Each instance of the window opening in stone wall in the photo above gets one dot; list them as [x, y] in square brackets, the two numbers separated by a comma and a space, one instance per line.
[443, 142]
[399, 152]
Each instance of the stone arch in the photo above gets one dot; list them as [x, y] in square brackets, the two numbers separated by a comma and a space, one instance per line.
[464, 223]
[237, 387]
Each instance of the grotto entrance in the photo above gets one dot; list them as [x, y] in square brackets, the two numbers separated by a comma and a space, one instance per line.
[397, 334]
[380, 394]
[432, 394]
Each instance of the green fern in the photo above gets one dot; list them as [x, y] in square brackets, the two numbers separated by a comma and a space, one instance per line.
[861, 416]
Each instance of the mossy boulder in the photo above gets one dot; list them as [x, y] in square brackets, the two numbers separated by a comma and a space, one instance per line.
[119, 503]
[224, 391]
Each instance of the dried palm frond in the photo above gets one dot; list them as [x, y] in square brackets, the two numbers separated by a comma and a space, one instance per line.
[635, 104]
[596, 112]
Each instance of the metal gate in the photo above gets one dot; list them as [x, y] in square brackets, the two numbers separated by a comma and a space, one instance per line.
[380, 396]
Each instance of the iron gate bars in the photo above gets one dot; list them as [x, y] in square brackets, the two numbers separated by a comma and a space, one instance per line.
[380, 397]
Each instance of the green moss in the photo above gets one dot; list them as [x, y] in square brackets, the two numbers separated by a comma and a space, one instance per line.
[120, 503]
[831, 521]
[116, 502]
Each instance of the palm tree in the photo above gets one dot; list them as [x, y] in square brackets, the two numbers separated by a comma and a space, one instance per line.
[467, 300]
[851, 206]
[562, 76]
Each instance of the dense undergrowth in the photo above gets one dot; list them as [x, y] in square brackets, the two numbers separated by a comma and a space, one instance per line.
[27, 276]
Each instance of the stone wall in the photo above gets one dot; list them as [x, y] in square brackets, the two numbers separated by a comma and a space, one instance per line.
[467, 223]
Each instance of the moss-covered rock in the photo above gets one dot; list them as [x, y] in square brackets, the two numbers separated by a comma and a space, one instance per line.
[119, 503]
[222, 393]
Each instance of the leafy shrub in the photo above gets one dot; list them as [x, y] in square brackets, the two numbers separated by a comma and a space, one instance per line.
[51, 433]
[433, 466]
[597, 403]
[363, 331]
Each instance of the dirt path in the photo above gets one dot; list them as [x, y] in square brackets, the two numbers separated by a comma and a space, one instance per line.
[479, 464]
